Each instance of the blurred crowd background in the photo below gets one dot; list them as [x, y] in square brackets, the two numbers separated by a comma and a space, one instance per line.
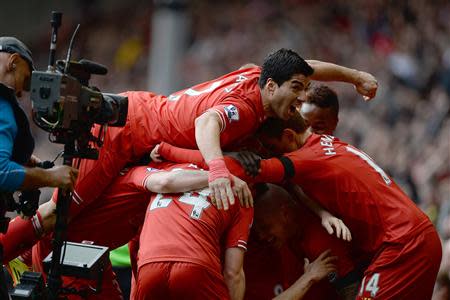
[405, 44]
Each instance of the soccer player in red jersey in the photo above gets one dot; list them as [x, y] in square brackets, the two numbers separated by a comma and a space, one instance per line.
[209, 116]
[117, 216]
[282, 221]
[388, 229]
[181, 245]
[320, 110]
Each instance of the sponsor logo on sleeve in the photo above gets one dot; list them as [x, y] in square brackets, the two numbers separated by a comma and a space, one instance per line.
[232, 113]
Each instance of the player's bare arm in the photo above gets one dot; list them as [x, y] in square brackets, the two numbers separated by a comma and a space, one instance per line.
[248, 65]
[365, 83]
[176, 181]
[207, 135]
[329, 222]
[314, 272]
[48, 215]
[233, 272]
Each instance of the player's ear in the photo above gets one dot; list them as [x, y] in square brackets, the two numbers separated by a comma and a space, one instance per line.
[289, 134]
[271, 86]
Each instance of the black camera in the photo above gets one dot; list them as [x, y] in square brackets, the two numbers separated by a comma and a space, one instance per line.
[64, 104]
[63, 101]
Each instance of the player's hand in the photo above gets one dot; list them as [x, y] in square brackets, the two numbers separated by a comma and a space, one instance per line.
[321, 267]
[250, 161]
[332, 224]
[63, 177]
[242, 191]
[366, 85]
[221, 193]
[154, 155]
[220, 183]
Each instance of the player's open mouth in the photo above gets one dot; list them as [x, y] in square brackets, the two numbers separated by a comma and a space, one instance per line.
[292, 110]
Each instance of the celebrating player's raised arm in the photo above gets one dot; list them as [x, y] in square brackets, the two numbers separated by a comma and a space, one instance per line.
[364, 82]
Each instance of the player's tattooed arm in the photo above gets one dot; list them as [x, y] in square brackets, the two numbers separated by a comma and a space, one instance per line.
[329, 222]
[365, 83]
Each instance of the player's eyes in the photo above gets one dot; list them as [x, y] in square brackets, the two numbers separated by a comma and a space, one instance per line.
[296, 88]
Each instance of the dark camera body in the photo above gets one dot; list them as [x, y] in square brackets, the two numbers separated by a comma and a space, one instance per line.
[62, 101]
[64, 105]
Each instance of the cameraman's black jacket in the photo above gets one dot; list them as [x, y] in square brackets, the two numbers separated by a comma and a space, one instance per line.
[22, 149]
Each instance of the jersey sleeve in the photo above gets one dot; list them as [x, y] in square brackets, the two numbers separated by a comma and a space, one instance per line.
[237, 118]
[180, 155]
[136, 178]
[272, 170]
[237, 235]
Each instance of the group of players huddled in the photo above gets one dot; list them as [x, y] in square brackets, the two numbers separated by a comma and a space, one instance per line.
[271, 205]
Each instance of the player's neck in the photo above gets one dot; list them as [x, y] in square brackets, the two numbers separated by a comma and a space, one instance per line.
[268, 112]
[303, 137]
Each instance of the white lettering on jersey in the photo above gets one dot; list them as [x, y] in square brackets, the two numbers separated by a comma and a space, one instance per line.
[199, 202]
[239, 79]
[160, 202]
[371, 163]
[327, 142]
[192, 92]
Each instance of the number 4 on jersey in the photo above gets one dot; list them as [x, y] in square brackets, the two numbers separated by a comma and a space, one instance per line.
[372, 285]
[198, 201]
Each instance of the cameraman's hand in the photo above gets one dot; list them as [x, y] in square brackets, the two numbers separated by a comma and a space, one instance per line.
[34, 161]
[63, 177]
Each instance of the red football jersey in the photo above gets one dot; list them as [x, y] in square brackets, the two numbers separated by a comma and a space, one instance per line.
[188, 228]
[351, 186]
[152, 119]
[116, 217]
[235, 97]
[313, 240]
[264, 275]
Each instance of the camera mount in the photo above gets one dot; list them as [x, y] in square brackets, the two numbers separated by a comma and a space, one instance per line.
[64, 105]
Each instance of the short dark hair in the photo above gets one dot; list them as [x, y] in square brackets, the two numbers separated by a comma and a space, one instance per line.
[323, 97]
[273, 127]
[281, 65]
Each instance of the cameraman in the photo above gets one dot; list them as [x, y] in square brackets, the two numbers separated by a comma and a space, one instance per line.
[16, 141]
[16, 148]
